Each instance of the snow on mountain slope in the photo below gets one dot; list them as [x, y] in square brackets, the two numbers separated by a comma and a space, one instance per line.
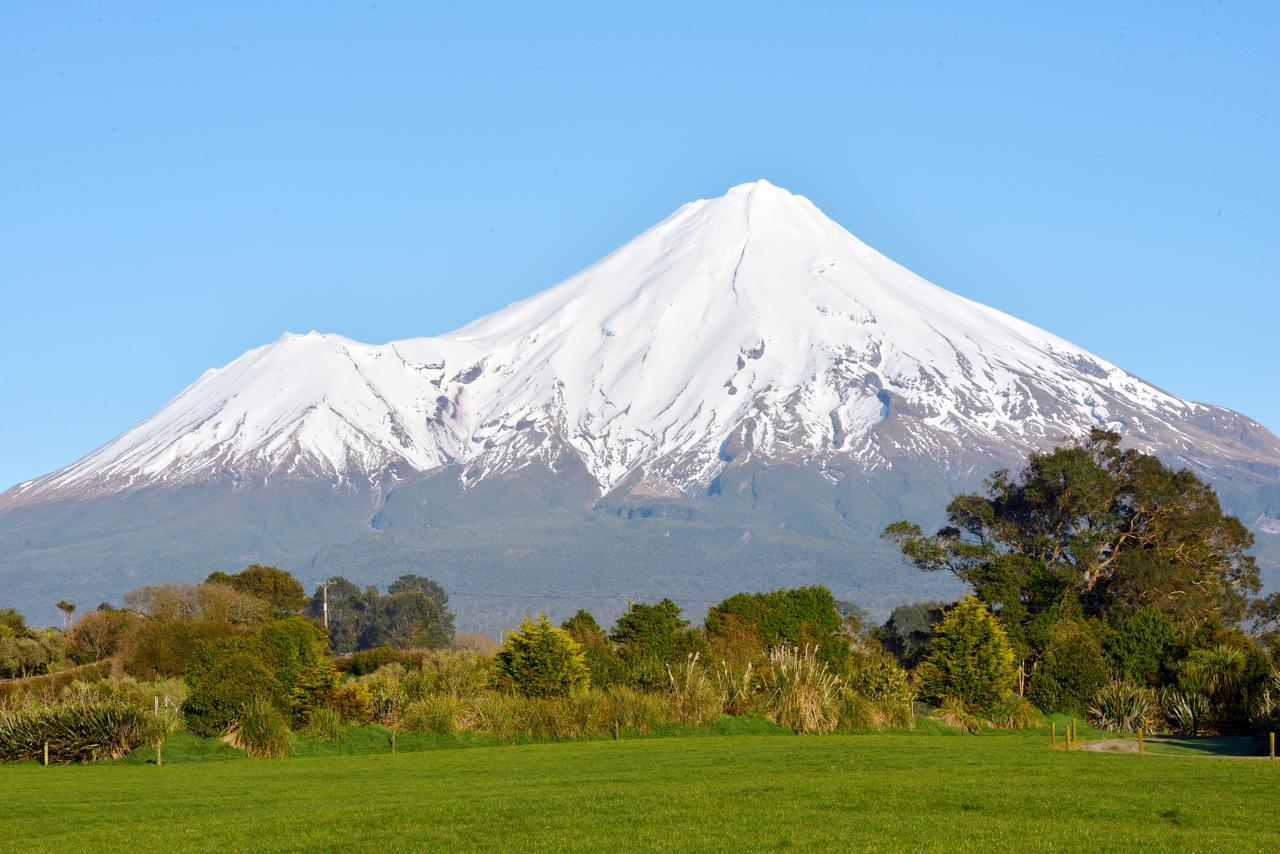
[748, 325]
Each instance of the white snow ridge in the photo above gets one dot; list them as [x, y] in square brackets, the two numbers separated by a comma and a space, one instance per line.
[748, 326]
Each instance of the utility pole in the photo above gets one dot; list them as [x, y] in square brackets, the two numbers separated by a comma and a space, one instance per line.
[324, 587]
[630, 600]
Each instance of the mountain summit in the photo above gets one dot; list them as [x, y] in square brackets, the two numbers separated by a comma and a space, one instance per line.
[744, 341]
[751, 324]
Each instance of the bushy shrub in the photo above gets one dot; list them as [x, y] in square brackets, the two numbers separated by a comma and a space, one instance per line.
[367, 661]
[1139, 646]
[160, 647]
[74, 733]
[386, 694]
[648, 638]
[296, 651]
[735, 643]
[1184, 711]
[1123, 707]
[222, 690]
[955, 713]
[100, 634]
[694, 697]
[351, 701]
[1071, 670]
[970, 658]
[879, 677]
[800, 691]
[857, 713]
[1015, 713]
[260, 730]
[803, 616]
[541, 660]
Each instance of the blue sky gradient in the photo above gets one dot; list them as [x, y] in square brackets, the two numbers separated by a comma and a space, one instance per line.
[177, 186]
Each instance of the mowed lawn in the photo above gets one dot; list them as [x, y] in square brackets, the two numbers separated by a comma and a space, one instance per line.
[1008, 792]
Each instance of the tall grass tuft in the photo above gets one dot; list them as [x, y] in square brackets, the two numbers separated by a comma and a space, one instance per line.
[438, 714]
[635, 711]
[1015, 713]
[802, 693]
[261, 730]
[954, 713]
[694, 698]
[738, 688]
[324, 724]
[498, 715]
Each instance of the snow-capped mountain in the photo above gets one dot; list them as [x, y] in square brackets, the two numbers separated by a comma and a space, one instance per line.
[738, 399]
[751, 325]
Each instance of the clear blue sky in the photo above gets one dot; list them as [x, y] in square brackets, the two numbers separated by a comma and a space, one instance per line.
[179, 185]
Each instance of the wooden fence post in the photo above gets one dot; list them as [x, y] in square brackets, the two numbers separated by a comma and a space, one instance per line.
[1273, 745]
[46, 754]
[1139, 740]
[1053, 733]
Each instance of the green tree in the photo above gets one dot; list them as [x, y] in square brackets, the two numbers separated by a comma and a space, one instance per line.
[907, 632]
[649, 637]
[970, 659]
[349, 612]
[405, 620]
[433, 591]
[12, 623]
[67, 609]
[541, 660]
[603, 664]
[271, 584]
[803, 616]
[1141, 644]
[1091, 530]
[1071, 670]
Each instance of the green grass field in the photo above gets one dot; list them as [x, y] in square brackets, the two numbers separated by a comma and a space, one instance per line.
[715, 792]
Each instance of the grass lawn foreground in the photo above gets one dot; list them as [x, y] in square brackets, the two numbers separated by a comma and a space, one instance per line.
[717, 792]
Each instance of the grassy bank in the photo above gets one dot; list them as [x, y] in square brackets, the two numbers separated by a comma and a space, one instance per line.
[868, 791]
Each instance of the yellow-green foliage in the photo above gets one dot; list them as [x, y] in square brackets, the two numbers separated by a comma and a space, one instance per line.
[694, 697]
[542, 660]
[324, 724]
[437, 713]
[970, 658]
[801, 691]
[458, 673]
